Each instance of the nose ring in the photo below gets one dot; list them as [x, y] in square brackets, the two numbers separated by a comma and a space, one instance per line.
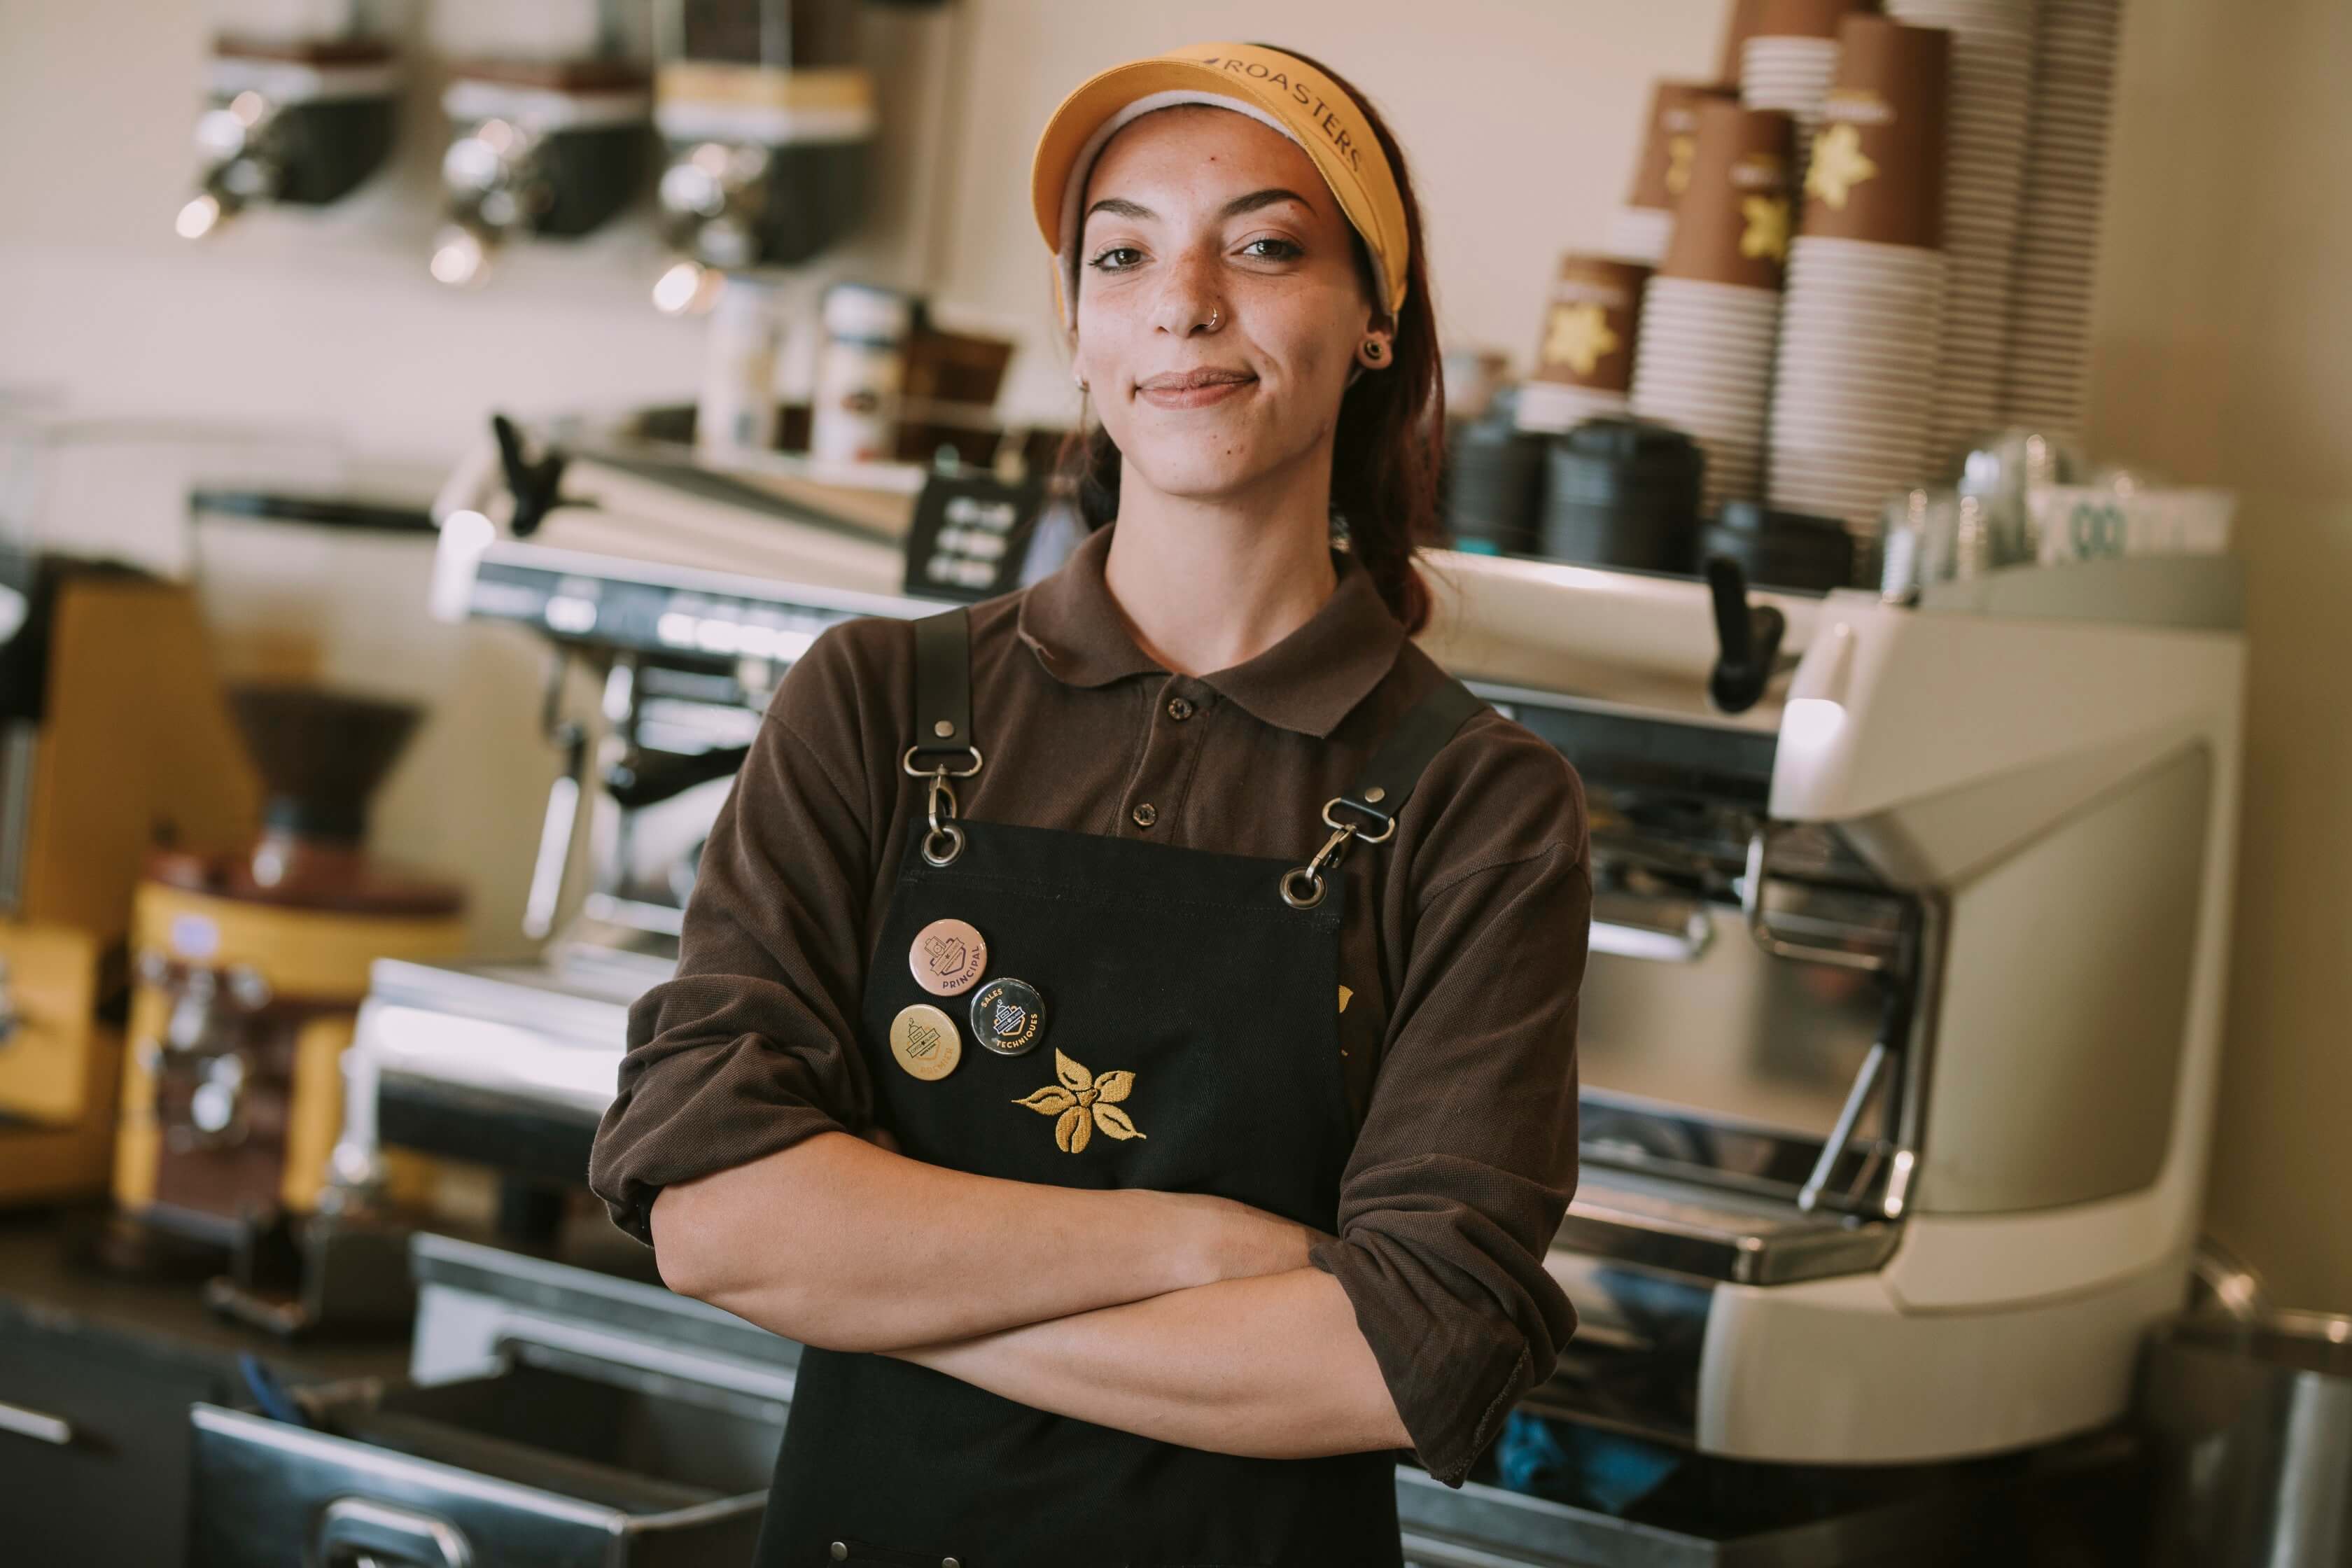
[1216, 315]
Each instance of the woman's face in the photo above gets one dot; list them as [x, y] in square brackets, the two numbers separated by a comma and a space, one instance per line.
[1220, 307]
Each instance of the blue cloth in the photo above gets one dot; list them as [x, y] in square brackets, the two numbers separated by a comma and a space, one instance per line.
[1583, 1466]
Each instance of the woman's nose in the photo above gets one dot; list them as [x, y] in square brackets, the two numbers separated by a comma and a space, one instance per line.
[1188, 298]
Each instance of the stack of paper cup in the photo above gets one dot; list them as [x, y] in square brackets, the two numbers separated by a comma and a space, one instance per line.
[1854, 380]
[2058, 227]
[1992, 94]
[1584, 360]
[1644, 224]
[1739, 24]
[1789, 59]
[1709, 316]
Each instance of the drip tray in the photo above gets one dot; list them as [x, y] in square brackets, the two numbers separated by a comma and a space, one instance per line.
[556, 1461]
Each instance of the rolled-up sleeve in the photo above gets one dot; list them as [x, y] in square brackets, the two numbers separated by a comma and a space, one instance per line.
[1468, 1156]
[751, 1047]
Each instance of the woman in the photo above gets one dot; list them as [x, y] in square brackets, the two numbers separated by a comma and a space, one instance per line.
[1126, 1030]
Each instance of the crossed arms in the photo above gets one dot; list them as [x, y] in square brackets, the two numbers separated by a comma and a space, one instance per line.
[1181, 1317]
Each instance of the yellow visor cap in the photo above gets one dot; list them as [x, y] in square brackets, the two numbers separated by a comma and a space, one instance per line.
[1277, 90]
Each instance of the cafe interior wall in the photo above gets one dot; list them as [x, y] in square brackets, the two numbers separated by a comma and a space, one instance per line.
[2223, 307]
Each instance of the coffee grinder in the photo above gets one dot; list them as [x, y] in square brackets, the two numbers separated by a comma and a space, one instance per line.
[112, 737]
[249, 970]
[769, 118]
[303, 120]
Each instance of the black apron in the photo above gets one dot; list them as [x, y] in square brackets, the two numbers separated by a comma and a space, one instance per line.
[1190, 1044]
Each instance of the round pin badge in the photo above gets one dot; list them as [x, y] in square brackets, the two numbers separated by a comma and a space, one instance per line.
[925, 1041]
[1007, 1016]
[948, 958]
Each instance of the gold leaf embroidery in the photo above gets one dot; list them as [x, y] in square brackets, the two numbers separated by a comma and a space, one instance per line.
[1345, 996]
[1082, 1102]
[1114, 1122]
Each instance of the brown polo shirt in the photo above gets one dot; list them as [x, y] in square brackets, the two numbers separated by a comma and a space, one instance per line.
[1463, 947]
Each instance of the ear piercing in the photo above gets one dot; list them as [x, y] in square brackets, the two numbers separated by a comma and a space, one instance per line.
[1374, 350]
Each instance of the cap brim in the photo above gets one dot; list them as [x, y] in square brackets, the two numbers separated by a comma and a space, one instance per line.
[1076, 130]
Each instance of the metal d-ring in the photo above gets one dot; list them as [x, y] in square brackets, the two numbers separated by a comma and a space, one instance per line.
[1336, 801]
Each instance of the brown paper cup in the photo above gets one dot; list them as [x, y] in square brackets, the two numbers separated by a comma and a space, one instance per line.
[1732, 224]
[1738, 28]
[1671, 143]
[1878, 167]
[1591, 323]
[1804, 18]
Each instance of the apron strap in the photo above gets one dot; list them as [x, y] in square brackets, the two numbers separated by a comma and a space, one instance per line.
[1380, 790]
[943, 688]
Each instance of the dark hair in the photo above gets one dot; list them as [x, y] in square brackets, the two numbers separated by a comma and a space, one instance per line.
[1391, 440]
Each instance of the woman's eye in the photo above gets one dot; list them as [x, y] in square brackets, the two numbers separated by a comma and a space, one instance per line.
[1283, 250]
[1103, 262]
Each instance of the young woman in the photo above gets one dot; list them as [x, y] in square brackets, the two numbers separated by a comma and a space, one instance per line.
[1126, 1030]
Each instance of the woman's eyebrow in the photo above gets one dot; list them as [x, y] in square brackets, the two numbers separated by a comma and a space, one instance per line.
[1119, 206]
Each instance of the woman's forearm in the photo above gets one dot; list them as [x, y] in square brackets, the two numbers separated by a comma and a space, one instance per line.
[839, 1243]
[1272, 1367]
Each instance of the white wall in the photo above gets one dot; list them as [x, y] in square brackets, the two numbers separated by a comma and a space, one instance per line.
[2223, 313]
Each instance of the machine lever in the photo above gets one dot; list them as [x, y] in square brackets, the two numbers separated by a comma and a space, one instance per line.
[1857, 1100]
[1747, 639]
[535, 481]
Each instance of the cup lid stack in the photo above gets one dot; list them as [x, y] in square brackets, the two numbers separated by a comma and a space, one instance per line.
[1855, 379]
[1584, 360]
[2058, 224]
[1710, 315]
[1992, 97]
[1645, 224]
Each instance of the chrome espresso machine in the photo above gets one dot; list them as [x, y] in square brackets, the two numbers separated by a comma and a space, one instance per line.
[1898, 1038]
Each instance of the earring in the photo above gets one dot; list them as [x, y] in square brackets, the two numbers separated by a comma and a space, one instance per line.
[1076, 380]
[1374, 349]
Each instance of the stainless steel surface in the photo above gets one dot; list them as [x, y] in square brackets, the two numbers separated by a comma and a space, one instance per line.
[577, 1467]
[1634, 1362]
[2223, 1285]
[478, 1299]
[1773, 937]
[2059, 1040]
[1668, 1224]
[2253, 1427]
[38, 1426]
[2066, 1505]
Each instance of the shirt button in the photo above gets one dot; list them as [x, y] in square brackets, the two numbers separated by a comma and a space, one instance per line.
[1145, 814]
[1179, 709]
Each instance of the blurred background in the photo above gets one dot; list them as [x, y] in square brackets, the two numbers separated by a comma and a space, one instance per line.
[268, 269]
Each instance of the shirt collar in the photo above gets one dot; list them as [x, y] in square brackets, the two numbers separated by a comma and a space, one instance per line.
[1308, 681]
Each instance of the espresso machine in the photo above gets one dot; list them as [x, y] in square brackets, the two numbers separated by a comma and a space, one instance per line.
[112, 737]
[1901, 1022]
[671, 596]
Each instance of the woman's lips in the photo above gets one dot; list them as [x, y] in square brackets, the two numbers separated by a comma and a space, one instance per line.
[1194, 397]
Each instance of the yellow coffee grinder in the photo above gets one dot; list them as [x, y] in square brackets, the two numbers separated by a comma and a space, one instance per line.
[249, 970]
[113, 737]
